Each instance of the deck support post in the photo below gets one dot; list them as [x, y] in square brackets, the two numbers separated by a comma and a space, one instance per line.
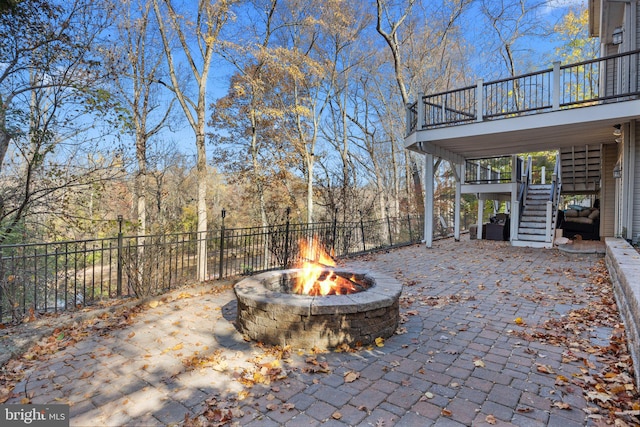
[515, 216]
[428, 200]
[548, 221]
[480, 216]
[457, 172]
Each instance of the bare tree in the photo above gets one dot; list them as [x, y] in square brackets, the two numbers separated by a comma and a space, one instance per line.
[136, 65]
[197, 40]
[50, 83]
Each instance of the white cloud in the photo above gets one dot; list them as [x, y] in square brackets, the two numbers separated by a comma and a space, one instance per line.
[565, 3]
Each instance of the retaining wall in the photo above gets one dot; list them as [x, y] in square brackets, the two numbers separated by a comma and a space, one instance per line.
[623, 262]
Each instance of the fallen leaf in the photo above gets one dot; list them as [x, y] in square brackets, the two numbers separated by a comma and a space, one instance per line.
[490, 419]
[478, 363]
[518, 321]
[336, 415]
[380, 342]
[351, 376]
[153, 304]
[545, 369]
[445, 412]
[562, 405]
[596, 395]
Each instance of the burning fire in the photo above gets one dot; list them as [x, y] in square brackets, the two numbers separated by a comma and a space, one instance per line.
[316, 277]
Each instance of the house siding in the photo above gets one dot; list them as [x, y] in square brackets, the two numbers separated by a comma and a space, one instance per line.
[635, 228]
[608, 193]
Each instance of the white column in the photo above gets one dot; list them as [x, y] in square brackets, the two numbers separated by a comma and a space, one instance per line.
[428, 200]
[515, 218]
[480, 214]
[479, 101]
[456, 224]
[421, 117]
[548, 218]
[555, 94]
[628, 173]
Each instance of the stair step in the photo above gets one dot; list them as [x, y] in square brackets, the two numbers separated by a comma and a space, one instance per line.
[538, 203]
[542, 196]
[542, 213]
[532, 231]
[532, 224]
[532, 237]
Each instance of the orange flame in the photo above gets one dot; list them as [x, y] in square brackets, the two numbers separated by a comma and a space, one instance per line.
[314, 277]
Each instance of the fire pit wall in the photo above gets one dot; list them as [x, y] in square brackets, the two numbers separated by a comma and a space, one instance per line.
[268, 312]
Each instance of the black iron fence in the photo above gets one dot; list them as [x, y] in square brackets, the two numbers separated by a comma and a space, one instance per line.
[59, 276]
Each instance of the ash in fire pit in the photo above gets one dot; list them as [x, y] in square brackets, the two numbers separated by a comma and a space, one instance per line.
[270, 312]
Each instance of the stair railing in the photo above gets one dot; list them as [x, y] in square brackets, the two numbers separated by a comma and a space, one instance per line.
[554, 198]
[524, 188]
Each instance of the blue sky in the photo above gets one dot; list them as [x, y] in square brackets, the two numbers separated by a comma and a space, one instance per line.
[534, 48]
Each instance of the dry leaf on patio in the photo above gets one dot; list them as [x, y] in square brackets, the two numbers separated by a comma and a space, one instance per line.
[351, 376]
[288, 406]
[380, 342]
[336, 415]
[446, 412]
[153, 304]
[562, 405]
[545, 369]
[478, 363]
[596, 395]
[518, 321]
[490, 419]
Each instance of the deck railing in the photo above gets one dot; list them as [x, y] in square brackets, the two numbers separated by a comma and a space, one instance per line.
[492, 170]
[612, 78]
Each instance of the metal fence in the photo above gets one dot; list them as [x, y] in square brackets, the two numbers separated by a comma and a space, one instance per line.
[490, 170]
[59, 276]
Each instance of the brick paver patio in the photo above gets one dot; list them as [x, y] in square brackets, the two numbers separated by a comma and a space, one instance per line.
[460, 357]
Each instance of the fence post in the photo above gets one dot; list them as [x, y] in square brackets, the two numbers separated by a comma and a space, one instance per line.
[221, 265]
[119, 269]
[334, 231]
[364, 244]
[286, 240]
[389, 228]
[409, 224]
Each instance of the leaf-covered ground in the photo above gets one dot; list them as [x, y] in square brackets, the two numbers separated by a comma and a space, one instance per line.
[611, 388]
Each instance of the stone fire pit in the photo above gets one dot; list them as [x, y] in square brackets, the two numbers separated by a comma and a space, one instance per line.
[268, 312]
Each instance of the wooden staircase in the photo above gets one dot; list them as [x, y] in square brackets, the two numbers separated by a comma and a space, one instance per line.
[532, 228]
[580, 168]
